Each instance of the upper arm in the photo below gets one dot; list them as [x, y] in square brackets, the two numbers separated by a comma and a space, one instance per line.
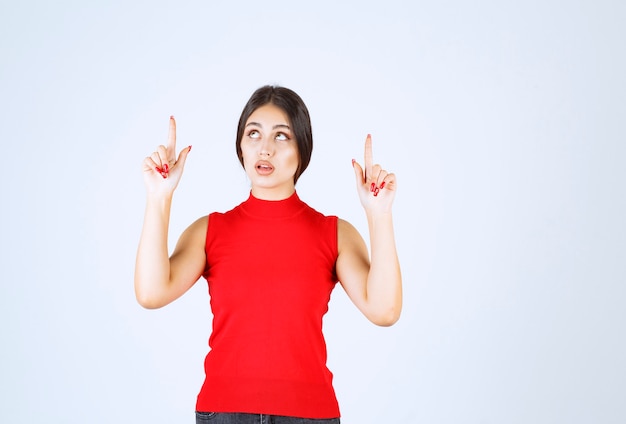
[188, 260]
[353, 264]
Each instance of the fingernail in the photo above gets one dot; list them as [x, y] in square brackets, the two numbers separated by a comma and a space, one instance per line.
[166, 168]
[353, 162]
[159, 170]
[189, 148]
[373, 187]
[382, 185]
[376, 191]
[171, 116]
[163, 174]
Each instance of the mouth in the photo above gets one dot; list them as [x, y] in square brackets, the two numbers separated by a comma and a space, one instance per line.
[263, 167]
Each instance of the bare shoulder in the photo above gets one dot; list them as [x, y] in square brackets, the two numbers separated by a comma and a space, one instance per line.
[352, 263]
[195, 234]
[347, 235]
[199, 225]
[343, 225]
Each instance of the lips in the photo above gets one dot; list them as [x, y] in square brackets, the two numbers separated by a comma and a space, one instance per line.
[263, 167]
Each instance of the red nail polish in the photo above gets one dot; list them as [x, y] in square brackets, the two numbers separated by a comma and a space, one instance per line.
[382, 185]
[376, 191]
[373, 187]
[166, 168]
[159, 170]
[353, 162]
[189, 148]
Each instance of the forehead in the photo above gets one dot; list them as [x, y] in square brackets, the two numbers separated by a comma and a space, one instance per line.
[269, 114]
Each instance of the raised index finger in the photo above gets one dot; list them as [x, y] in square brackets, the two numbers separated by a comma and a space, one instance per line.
[369, 156]
[171, 140]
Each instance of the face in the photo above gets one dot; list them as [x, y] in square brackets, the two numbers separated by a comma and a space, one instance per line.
[270, 153]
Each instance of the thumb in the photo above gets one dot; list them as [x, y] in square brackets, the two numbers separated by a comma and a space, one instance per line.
[358, 172]
[182, 157]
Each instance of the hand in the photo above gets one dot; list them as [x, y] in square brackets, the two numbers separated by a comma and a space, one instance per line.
[376, 187]
[161, 170]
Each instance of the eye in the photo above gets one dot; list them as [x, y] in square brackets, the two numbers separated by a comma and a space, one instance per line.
[254, 134]
[282, 137]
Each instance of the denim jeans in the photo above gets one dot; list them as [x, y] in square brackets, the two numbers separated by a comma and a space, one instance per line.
[238, 418]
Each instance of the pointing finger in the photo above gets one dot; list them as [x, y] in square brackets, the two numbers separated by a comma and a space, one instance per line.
[171, 141]
[369, 157]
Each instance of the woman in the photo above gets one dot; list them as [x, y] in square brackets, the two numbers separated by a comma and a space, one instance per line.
[271, 264]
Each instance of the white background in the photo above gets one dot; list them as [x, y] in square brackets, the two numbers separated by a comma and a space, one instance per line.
[504, 122]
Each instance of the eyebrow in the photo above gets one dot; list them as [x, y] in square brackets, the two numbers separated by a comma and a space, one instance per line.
[274, 127]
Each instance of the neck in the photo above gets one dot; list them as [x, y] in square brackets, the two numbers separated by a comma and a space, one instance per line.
[273, 209]
[272, 193]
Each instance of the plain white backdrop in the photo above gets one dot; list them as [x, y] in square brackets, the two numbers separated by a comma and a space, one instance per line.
[504, 122]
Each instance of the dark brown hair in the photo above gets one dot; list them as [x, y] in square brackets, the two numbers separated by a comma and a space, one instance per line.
[299, 120]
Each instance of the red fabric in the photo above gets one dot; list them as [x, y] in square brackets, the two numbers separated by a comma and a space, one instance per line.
[270, 271]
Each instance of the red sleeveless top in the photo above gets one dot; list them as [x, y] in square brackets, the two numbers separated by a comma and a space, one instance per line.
[270, 271]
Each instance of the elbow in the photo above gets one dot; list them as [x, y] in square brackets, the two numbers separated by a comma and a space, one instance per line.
[146, 304]
[385, 314]
[147, 294]
[146, 301]
[386, 319]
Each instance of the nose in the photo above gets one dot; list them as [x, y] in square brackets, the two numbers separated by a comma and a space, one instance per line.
[266, 148]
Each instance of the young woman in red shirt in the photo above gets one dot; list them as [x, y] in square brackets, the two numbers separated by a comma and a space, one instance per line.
[271, 264]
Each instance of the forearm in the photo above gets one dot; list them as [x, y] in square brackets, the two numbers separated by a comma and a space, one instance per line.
[152, 267]
[384, 281]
